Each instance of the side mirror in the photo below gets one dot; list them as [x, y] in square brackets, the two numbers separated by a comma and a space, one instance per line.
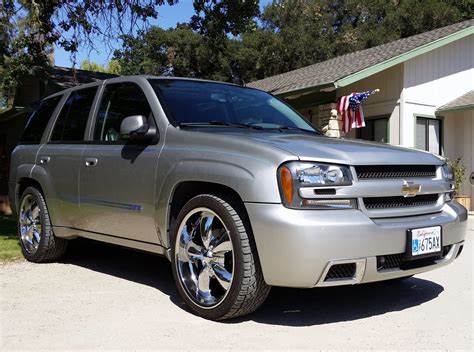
[136, 128]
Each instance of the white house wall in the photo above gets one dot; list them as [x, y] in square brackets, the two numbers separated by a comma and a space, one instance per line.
[433, 79]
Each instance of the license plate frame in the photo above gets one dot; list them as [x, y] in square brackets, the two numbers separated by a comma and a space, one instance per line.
[409, 245]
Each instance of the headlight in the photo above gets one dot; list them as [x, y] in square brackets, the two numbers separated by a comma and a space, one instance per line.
[295, 175]
[448, 176]
[322, 175]
[448, 173]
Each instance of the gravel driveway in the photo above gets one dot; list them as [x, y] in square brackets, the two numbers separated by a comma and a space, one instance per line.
[105, 297]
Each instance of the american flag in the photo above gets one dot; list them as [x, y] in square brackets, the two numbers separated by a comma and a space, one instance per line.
[350, 108]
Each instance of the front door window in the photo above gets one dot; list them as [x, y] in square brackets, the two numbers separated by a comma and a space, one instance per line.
[119, 101]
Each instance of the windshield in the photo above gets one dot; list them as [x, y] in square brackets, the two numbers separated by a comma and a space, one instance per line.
[194, 103]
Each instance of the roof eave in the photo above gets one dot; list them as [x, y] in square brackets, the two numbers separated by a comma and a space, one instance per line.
[318, 88]
[455, 108]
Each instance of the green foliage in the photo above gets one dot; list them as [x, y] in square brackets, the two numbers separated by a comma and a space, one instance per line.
[112, 67]
[459, 170]
[216, 18]
[9, 246]
[92, 66]
[178, 52]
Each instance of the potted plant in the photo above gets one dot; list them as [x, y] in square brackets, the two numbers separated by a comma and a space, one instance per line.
[459, 170]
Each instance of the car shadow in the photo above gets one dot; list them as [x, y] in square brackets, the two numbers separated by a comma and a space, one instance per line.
[318, 306]
[284, 306]
[140, 267]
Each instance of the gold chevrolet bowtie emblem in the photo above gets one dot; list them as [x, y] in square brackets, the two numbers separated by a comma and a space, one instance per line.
[410, 189]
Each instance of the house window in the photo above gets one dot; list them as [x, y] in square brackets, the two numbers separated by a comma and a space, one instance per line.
[376, 129]
[428, 134]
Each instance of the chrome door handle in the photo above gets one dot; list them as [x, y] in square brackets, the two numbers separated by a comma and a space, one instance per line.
[44, 159]
[91, 162]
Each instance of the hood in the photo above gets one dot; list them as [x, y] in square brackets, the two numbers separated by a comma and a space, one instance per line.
[344, 151]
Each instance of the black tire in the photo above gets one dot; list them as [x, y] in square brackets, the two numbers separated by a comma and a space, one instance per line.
[248, 289]
[50, 248]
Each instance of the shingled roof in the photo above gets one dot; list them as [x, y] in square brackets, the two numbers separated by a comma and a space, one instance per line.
[346, 69]
[465, 101]
[65, 78]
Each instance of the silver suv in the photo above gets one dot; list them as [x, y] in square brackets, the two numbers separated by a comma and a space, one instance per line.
[234, 187]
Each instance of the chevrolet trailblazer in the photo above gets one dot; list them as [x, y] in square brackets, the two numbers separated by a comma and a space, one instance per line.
[233, 186]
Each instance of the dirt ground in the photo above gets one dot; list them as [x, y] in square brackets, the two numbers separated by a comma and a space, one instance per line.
[104, 297]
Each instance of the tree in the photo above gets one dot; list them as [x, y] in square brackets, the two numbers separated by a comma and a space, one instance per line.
[112, 67]
[217, 18]
[177, 51]
[31, 28]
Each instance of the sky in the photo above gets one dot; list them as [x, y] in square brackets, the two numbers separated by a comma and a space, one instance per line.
[168, 17]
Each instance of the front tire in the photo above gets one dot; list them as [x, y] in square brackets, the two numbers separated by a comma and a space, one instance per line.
[37, 240]
[215, 263]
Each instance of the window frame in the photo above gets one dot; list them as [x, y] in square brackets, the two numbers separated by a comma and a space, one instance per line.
[427, 118]
[93, 119]
[61, 105]
[375, 118]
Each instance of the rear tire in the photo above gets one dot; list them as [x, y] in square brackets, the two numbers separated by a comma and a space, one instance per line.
[37, 240]
[215, 262]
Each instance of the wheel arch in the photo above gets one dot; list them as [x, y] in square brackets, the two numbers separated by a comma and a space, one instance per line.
[186, 190]
[22, 184]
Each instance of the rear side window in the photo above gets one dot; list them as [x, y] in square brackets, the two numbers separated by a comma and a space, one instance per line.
[71, 123]
[118, 102]
[38, 120]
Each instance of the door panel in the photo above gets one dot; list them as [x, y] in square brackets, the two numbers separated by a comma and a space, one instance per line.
[60, 163]
[117, 192]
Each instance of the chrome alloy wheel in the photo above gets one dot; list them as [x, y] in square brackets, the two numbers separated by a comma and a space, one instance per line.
[30, 224]
[204, 257]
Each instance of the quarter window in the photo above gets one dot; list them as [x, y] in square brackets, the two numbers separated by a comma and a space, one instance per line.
[38, 120]
[119, 101]
[71, 123]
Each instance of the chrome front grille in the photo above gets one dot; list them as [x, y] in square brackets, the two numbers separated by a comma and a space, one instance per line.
[400, 202]
[394, 171]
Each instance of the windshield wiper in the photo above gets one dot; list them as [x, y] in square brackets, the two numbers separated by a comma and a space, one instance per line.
[288, 128]
[220, 123]
[245, 125]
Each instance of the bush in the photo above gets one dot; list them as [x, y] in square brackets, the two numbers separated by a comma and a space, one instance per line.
[459, 170]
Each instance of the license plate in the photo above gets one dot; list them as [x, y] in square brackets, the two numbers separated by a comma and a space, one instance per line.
[424, 242]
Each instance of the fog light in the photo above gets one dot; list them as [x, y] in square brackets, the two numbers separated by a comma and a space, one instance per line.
[330, 203]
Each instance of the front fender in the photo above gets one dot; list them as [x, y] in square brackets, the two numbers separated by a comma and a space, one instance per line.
[252, 179]
[247, 167]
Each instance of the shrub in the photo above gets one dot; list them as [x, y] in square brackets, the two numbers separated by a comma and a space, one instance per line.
[459, 170]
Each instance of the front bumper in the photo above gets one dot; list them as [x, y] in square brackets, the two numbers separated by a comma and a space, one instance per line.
[297, 247]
